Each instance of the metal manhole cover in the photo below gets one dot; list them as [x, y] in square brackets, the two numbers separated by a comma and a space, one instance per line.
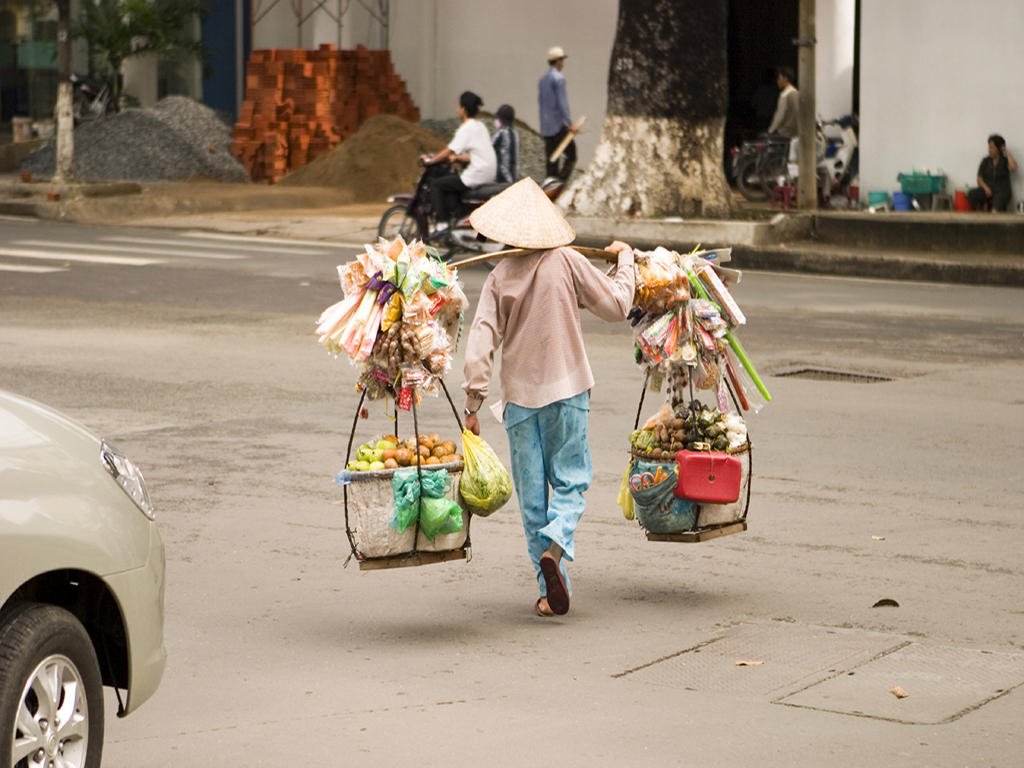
[794, 656]
[943, 684]
[825, 374]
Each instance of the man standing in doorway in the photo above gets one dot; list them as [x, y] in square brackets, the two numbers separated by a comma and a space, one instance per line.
[785, 121]
[555, 119]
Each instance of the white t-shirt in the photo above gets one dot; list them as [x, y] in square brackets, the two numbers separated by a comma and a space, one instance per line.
[472, 139]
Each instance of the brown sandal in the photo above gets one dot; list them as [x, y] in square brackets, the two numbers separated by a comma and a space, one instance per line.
[537, 607]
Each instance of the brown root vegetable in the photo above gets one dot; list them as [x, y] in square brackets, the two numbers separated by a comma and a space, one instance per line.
[449, 447]
[390, 464]
[390, 454]
[439, 452]
[431, 460]
[402, 457]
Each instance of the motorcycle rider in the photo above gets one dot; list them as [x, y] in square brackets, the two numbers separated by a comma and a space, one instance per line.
[471, 144]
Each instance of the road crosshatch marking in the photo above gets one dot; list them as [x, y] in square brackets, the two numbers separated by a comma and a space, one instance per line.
[189, 244]
[30, 268]
[88, 258]
[256, 239]
[129, 249]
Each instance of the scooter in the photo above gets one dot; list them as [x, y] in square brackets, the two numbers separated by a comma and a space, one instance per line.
[90, 99]
[758, 160]
[836, 164]
[413, 216]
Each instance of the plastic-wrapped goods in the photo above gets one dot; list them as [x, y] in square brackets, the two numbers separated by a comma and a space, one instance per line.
[657, 509]
[400, 311]
[422, 496]
[485, 484]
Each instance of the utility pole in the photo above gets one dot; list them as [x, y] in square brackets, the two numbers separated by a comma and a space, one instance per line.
[807, 183]
[65, 170]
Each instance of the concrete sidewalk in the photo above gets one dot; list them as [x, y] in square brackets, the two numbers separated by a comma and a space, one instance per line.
[968, 248]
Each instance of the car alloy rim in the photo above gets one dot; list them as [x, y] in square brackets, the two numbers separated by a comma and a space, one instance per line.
[52, 726]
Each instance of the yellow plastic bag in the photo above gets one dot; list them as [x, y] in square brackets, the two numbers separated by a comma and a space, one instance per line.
[485, 484]
[625, 498]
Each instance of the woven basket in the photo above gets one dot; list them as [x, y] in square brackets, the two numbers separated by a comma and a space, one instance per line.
[371, 505]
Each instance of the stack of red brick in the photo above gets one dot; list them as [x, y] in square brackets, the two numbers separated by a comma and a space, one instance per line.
[300, 104]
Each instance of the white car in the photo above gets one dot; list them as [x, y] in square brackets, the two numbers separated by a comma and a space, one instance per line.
[81, 587]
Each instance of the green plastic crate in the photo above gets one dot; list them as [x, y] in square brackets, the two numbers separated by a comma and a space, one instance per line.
[921, 183]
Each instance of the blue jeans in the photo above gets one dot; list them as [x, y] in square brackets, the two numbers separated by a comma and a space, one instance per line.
[551, 468]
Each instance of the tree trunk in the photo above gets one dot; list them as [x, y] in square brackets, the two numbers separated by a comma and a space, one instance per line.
[64, 172]
[661, 147]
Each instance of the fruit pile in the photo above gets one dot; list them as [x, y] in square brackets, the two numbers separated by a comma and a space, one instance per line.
[702, 430]
[391, 453]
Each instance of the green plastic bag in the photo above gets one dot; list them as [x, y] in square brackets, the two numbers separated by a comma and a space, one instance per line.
[485, 484]
[439, 516]
[405, 485]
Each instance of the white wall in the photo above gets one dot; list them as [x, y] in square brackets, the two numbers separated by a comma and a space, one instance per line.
[498, 49]
[937, 77]
[833, 58]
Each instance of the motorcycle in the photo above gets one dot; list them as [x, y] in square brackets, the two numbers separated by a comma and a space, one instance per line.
[757, 160]
[413, 216]
[836, 164]
[91, 99]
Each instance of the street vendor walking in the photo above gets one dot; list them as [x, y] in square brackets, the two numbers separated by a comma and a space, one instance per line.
[529, 306]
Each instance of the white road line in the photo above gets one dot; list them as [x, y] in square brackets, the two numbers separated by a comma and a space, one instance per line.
[247, 239]
[27, 268]
[87, 258]
[129, 249]
[20, 219]
[186, 244]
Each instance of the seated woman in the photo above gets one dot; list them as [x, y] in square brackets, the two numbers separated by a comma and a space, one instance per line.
[994, 177]
[470, 144]
[506, 145]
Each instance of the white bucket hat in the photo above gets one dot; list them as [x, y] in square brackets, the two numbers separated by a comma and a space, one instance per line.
[523, 217]
[556, 53]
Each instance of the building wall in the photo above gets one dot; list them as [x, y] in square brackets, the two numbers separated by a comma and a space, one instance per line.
[833, 58]
[497, 49]
[937, 77]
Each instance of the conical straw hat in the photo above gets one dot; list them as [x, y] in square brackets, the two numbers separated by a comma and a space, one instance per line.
[523, 217]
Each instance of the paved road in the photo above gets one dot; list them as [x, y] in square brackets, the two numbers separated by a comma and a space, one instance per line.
[205, 370]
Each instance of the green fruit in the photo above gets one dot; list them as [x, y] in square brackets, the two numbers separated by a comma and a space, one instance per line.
[376, 465]
[365, 453]
[362, 466]
[376, 455]
[351, 466]
[386, 445]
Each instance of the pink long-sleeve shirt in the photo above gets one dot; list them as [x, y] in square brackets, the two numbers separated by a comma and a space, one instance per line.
[529, 306]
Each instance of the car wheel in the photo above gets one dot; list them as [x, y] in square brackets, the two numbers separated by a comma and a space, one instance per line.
[395, 222]
[748, 179]
[51, 691]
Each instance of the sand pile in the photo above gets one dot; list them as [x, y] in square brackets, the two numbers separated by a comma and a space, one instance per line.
[378, 160]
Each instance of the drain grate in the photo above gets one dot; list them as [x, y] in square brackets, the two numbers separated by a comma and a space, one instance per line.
[826, 374]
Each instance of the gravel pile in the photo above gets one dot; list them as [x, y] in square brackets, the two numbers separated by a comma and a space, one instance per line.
[177, 140]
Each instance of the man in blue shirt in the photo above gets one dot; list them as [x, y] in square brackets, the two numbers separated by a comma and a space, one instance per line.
[555, 119]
